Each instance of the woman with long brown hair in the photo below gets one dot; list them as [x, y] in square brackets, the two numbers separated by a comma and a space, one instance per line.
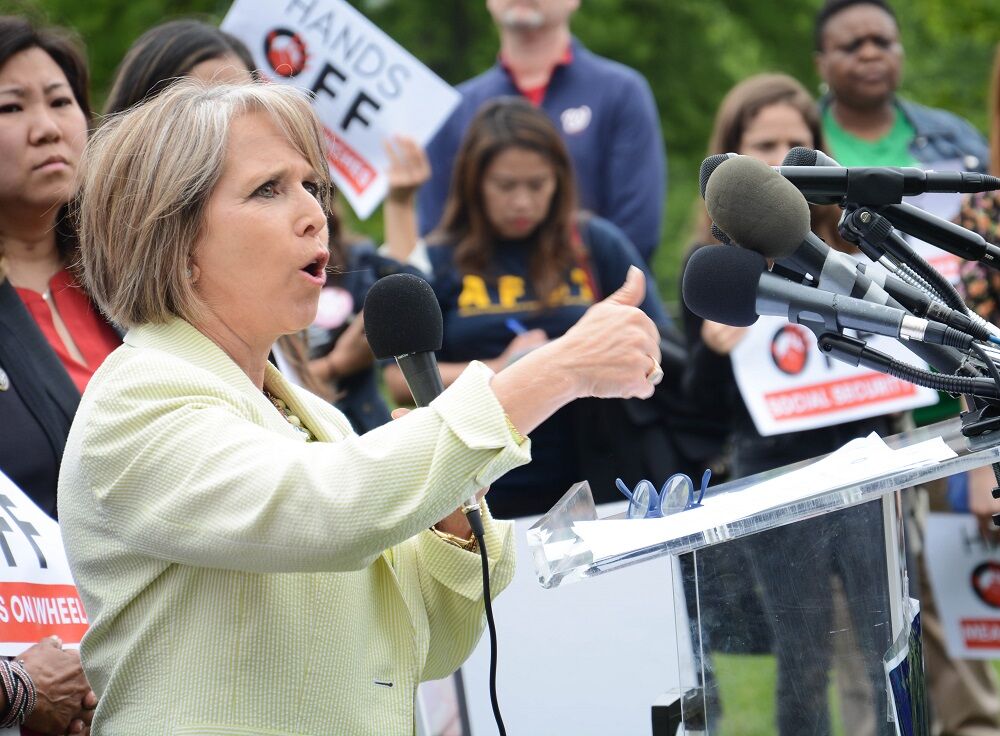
[514, 266]
[765, 116]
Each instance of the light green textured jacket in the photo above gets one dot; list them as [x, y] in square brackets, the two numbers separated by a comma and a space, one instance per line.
[241, 581]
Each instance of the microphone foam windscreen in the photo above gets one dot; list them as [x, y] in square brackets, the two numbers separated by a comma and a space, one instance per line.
[402, 316]
[800, 156]
[708, 166]
[757, 207]
[719, 235]
[720, 284]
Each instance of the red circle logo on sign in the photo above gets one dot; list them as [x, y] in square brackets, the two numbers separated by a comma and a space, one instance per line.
[986, 583]
[286, 52]
[790, 349]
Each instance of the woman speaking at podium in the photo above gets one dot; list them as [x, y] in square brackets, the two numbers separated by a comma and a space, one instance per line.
[248, 564]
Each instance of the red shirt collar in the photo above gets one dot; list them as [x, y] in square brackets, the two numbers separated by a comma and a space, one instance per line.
[536, 95]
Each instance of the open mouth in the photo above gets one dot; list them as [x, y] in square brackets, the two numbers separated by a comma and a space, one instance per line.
[316, 268]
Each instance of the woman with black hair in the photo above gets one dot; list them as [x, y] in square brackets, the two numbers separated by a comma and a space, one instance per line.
[52, 338]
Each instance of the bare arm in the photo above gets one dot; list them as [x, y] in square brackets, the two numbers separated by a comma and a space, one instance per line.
[408, 170]
[518, 347]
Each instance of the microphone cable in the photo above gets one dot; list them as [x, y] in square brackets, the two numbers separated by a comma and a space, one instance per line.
[476, 522]
[990, 365]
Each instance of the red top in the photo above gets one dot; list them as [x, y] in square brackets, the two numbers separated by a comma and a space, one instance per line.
[94, 338]
[536, 95]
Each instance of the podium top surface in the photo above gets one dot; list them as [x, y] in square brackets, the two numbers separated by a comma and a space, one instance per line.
[571, 543]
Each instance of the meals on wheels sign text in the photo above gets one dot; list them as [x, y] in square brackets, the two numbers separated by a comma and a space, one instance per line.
[365, 86]
[37, 594]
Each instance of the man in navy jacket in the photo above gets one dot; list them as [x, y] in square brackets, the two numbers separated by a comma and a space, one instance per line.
[604, 111]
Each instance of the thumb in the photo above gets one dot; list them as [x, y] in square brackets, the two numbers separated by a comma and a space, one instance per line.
[632, 292]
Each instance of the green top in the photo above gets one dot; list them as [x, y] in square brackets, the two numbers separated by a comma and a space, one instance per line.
[892, 149]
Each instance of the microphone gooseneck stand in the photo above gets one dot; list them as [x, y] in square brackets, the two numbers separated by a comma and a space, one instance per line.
[874, 234]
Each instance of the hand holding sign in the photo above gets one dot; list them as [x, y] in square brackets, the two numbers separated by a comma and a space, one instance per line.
[409, 168]
[65, 701]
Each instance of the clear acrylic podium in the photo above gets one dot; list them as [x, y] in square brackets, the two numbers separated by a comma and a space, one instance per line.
[830, 572]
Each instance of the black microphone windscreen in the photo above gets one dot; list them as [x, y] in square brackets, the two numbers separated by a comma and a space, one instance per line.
[800, 156]
[720, 284]
[402, 316]
[708, 166]
[757, 207]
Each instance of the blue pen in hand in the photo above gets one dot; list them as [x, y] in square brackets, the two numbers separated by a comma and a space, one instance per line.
[515, 326]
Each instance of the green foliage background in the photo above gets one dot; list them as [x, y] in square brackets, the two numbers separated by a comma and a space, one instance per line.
[691, 51]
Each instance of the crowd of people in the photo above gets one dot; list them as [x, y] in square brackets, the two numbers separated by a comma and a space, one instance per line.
[186, 385]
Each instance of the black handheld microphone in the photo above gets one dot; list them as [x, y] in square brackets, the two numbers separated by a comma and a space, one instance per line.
[733, 286]
[403, 321]
[708, 167]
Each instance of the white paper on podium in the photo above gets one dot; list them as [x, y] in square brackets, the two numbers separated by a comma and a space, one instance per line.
[858, 460]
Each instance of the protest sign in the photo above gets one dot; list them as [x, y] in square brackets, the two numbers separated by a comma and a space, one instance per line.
[366, 87]
[965, 574]
[37, 595]
[789, 385]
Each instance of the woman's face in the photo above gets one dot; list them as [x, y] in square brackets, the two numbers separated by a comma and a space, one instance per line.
[518, 187]
[259, 263]
[42, 134]
[773, 132]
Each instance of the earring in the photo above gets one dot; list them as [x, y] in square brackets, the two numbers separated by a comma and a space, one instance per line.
[188, 272]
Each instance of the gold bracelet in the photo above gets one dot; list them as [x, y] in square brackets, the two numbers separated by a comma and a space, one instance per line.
[469, 545]
[518, 437]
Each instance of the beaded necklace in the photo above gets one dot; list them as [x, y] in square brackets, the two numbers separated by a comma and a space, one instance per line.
[283, 409]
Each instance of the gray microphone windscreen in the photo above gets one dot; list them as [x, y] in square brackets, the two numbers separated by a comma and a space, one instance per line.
[757, 207]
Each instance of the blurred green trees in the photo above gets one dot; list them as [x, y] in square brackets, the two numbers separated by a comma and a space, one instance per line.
[691, 51]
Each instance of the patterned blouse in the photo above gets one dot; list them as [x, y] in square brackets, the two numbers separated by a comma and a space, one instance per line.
[981, 214]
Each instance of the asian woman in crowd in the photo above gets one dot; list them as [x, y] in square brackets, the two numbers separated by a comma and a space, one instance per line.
[52, 337]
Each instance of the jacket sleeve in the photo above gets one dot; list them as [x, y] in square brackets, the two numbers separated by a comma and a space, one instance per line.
[180, 474]
[636, 174]
[451, 585]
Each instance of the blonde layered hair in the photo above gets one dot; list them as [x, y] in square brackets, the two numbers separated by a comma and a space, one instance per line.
[147, 175]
